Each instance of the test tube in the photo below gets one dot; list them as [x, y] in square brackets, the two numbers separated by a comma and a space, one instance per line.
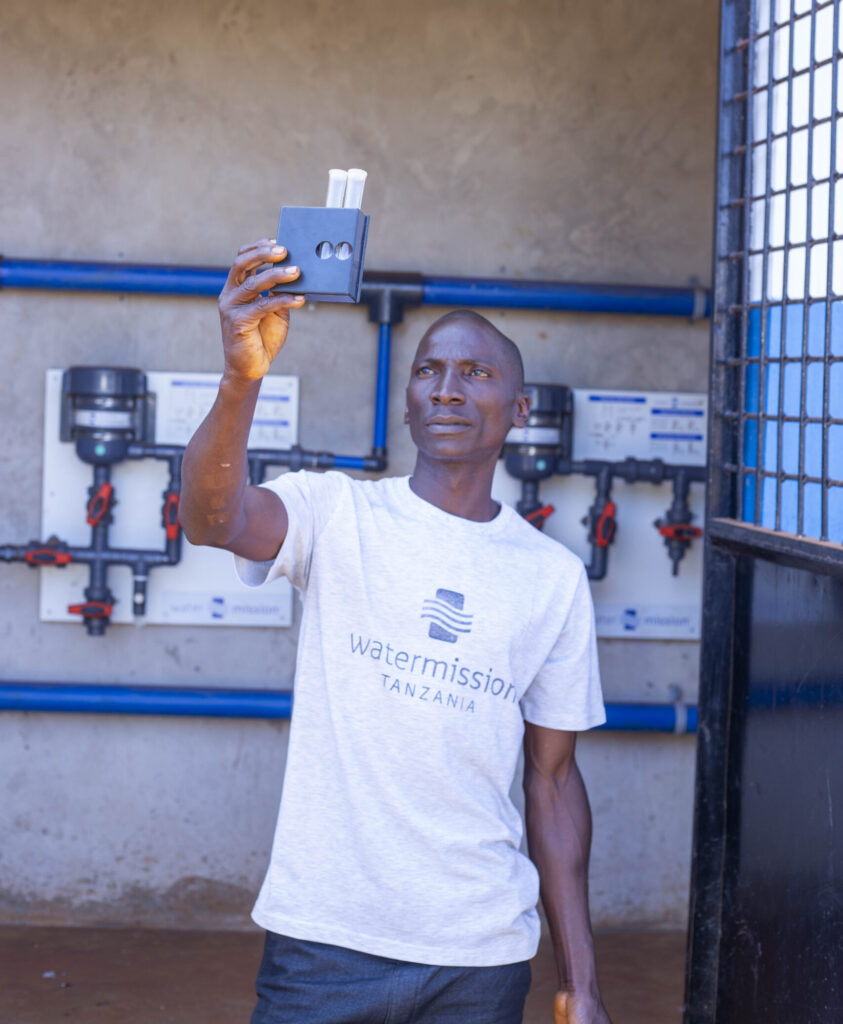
[336, 187]
[354, 188]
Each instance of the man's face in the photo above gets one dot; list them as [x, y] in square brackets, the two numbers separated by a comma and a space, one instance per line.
[463, 393]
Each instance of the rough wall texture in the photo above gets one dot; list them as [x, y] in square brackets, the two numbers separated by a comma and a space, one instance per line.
[543, 138]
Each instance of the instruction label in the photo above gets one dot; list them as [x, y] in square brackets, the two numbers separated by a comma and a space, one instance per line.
[184, 400]
[617, 425]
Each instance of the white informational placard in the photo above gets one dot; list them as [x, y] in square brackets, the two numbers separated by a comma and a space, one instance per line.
[202, 589]
[617, 425]
[639, 598]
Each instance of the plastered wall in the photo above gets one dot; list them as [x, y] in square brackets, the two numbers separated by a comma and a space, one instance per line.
[544, 138]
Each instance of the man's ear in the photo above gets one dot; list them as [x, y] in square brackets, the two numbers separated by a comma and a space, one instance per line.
[406, 414]
[522, 411]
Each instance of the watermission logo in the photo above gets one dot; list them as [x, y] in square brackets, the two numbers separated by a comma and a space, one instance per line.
[447, 617]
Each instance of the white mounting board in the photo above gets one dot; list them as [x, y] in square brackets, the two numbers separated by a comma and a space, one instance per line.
[639, 597]
[202, 590]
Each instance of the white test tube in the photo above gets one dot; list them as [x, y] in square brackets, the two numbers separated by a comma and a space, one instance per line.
[336, 187]
[354, 188]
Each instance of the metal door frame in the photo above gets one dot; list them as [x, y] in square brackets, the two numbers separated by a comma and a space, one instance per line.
[729, 538]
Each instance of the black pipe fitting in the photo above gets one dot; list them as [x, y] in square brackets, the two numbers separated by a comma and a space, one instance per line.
[600, 520]
[529, 501]
[139, 595]
[387, 293]
[676, 526]
[376, 462]
[601, 524]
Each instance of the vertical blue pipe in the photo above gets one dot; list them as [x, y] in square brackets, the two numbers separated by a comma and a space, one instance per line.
[382, 393]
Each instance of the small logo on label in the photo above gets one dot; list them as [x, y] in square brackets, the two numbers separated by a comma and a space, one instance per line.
[630, 619]
[217, 605]
[447, 617]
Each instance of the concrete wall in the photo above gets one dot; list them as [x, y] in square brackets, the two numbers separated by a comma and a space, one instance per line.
[544, 138]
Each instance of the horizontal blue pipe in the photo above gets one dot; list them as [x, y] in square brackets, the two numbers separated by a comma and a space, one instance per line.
[648, 718]
[155, 279]
[561, 296]
[150, 279]
[164, 700]
[349, 462]
[145, 700]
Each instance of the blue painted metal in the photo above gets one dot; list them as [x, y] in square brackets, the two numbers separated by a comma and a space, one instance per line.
[382, 392]
[94, 698]
[149, 279]
[155, 279]
[563, 296]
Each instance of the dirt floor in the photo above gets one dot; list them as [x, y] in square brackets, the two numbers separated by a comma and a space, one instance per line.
[123, 976]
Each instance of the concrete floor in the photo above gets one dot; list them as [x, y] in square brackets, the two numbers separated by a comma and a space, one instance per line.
[132, 976]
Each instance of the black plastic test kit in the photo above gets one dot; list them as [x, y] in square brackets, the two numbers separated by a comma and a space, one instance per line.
[328, 244]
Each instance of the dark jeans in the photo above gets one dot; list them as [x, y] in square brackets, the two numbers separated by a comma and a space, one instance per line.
[303, 982]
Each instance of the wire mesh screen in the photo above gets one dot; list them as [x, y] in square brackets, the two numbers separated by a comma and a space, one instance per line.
[783, 373]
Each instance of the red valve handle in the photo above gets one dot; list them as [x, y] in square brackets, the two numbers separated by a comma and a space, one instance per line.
[540, 515]
[604, 529]
[680, 531]
[99, 504]
[48, 556]
[91, 609]
[171, 515]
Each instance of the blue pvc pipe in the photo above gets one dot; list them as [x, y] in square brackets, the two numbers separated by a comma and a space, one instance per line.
[650, 718]
[382, 391]
[150, 279]
[349, 462]
[272, 704]
[145, 700]
[556, 295]
[155, 279]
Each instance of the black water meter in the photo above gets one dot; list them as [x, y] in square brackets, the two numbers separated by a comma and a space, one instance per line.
[104, 409]
[533, 452]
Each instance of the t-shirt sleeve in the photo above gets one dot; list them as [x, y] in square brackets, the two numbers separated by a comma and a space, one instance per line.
[566, 692]
[310, 499]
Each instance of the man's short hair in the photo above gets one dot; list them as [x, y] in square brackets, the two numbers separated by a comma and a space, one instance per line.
[510, 350]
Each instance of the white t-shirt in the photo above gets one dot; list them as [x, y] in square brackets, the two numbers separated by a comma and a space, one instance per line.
[424, 639]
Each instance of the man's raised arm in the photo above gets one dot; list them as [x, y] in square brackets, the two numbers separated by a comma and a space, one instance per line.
[558, 823]
[218, 507]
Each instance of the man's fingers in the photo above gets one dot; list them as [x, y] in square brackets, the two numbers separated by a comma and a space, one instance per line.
[267, 304]
[251, 257]
[560, 1008]
[254, 284]
[261, 243]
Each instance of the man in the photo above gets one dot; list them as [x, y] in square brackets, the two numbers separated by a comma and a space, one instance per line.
[439, 631]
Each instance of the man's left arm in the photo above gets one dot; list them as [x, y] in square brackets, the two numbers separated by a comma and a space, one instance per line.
[558, 821]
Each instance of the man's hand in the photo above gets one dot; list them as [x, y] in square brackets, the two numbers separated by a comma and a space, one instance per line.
[217, 506]
[568, 1008]
[558, 823]
[254, 326]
